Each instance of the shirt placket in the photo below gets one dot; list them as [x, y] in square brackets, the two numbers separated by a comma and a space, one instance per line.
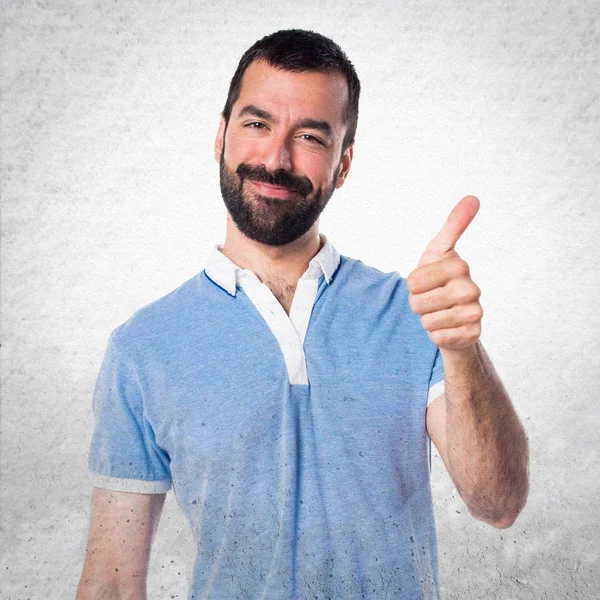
[289, 331]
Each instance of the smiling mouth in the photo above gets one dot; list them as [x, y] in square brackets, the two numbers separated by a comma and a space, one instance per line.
[272, 191]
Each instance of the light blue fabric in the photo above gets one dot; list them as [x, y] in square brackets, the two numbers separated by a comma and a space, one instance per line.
[292, 491]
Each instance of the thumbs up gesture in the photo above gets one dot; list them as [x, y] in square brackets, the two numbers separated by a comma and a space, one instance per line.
[441, 290]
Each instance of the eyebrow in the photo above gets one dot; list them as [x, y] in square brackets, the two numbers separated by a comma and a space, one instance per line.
[251, 109]
[323, 126]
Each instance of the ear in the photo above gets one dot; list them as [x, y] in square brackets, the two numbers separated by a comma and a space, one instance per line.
[220, 139]
[346, 162]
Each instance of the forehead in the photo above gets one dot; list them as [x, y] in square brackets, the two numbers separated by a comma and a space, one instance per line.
[309, 94]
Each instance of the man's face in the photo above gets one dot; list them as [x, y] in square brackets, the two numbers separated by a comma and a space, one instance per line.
[280, 154]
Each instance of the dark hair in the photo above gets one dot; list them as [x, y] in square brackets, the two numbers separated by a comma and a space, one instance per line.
[297, 50]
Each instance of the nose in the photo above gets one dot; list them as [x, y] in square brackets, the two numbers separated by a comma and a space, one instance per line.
[277, 154]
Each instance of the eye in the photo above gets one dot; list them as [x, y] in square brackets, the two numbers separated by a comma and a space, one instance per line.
[255, 125]
[311, 138]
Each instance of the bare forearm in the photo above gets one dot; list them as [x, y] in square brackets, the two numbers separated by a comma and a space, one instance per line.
[488, 450]
[94, 589]
[485, 446]
[122, 529]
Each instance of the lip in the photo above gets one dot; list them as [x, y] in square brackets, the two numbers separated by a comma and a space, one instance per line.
[272, 191]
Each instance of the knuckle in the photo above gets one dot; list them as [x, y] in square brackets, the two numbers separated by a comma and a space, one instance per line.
[462, 267]
[476, 313]
[437, 337]
[464, 295]
[428, 322]
[479, 311]
[412, 282]
[467, 292]
[413, 302]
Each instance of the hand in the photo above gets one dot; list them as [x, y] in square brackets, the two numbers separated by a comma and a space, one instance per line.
[441, 290]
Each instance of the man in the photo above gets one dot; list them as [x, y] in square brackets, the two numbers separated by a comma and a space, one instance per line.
[286, 393]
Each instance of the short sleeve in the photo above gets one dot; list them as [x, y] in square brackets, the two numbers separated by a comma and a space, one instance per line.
[436, 381]
[124, 455]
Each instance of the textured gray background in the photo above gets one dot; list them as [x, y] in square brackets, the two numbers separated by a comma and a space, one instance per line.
[110, 199]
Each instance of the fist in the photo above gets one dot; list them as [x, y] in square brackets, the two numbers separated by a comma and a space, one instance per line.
[441, 290]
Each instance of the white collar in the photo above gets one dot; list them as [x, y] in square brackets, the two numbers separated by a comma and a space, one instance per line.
[224, 272]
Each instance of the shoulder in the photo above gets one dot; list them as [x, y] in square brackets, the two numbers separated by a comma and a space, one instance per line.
[162, 318]
[380, 295]
[357, 274]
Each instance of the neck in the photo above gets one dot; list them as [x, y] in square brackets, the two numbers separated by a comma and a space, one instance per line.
[285, 263]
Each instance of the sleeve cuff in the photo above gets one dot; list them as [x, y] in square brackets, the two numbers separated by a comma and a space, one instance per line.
[435, 390]
[138, 486]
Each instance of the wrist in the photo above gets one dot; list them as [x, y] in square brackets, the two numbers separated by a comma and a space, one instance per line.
[463, 370]
[460, 358]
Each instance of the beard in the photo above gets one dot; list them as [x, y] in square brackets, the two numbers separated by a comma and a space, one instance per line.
[272, 221]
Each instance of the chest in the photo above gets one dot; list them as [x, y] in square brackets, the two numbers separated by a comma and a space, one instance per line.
[283, 293]
[225, 386]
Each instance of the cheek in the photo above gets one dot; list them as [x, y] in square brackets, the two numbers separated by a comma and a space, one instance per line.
[316, 168]
[238, 150]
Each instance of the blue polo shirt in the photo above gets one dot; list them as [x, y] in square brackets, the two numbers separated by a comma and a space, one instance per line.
[303, 470]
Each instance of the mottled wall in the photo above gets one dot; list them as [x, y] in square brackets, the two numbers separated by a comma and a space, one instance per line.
[110, 199]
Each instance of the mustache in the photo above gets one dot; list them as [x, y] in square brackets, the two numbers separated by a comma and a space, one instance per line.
[280, 178]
